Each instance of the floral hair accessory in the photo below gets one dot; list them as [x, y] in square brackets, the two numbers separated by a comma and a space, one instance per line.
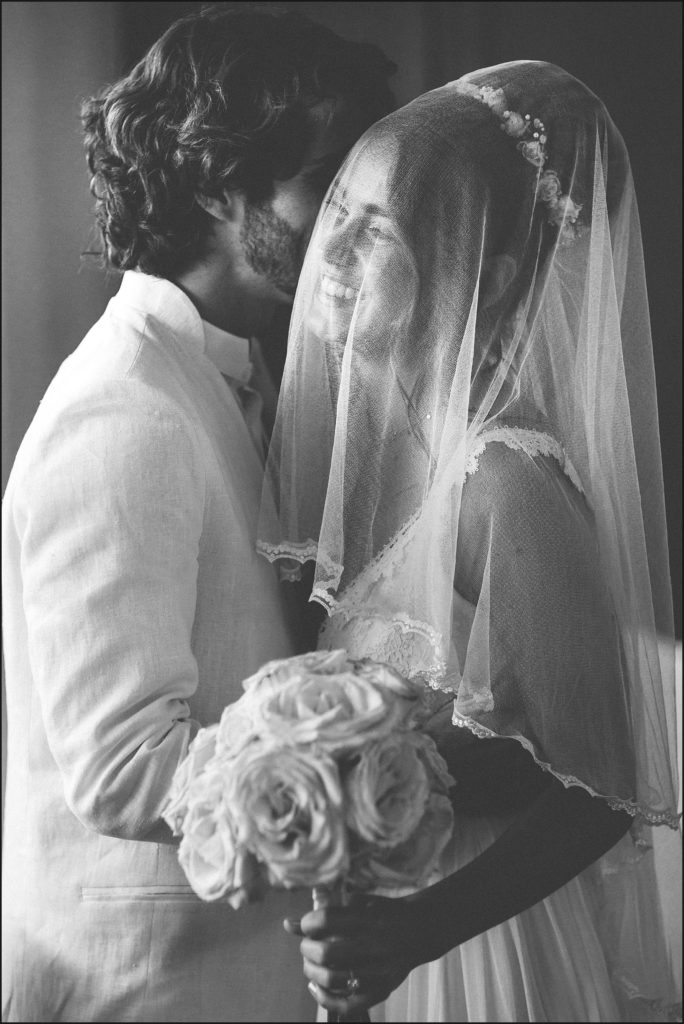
[562, 212]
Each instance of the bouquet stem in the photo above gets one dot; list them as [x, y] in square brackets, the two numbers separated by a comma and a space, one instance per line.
[337, 895]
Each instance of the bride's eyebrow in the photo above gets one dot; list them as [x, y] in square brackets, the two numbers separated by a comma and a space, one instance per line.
[338, 195]
[374, 210]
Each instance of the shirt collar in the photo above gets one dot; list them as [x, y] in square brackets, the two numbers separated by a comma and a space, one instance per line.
[228, 352]
[172, 307]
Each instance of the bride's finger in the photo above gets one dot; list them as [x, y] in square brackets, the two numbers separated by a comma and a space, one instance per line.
[339, 954]
[320, 924]
[344, 983]
[293, 926]
[346, 1005]
[335, 982]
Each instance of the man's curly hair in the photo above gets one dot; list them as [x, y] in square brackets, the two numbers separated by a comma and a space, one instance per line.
[220, 102]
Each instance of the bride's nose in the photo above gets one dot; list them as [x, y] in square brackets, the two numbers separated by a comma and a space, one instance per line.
[341, 247]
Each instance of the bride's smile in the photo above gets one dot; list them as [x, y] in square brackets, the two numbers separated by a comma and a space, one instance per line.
[336, 289]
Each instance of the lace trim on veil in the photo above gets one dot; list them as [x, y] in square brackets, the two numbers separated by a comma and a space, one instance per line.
[306, 552]
[391, 548]
[299, 554]
[637, 811]
[532, 442]
[404, 643]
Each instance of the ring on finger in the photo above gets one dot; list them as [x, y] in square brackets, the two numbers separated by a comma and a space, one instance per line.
[353, 984]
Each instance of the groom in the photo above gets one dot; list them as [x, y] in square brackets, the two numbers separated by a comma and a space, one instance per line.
[134, 601]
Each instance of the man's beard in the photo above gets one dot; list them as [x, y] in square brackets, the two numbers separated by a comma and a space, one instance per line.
[273, 249]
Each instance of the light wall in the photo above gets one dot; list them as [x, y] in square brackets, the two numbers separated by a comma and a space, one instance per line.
[53, 55]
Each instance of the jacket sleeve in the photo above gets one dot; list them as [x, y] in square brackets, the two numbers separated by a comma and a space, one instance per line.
[110, 516]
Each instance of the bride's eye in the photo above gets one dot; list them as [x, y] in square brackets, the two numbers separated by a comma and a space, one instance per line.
[376, 231]
[336, 208]
[379, 230]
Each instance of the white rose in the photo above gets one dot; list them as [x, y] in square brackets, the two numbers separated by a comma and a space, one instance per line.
[239, 726]
[387, 790]
[288, 808]
[494, 98]
[338, 713]
[215, 863]
[563, 210]
[515, 125]
[200, 751]
[411, 863]
[570, 233]
[436, 767]
[548, 187]
[339, 708]
[533, 152]
[388, 678]
[323, 663]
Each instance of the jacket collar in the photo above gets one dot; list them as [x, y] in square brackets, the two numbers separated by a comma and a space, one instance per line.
[167, 303]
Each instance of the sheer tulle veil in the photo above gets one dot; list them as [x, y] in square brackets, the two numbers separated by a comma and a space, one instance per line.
[477, 268]
[476, 276]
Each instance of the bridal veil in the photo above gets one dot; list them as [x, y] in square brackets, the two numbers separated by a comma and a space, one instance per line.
[476, 273]
[467, 437]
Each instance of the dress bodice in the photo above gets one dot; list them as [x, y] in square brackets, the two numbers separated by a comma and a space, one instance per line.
[379, 630]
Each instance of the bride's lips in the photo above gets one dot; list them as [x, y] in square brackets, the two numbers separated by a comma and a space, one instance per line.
[339, 286]
[334, 303]
[336, 289]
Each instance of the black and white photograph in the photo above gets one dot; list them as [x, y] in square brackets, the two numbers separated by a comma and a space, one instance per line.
[341, 512]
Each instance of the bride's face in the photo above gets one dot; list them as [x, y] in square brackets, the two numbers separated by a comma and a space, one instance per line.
[364, 269]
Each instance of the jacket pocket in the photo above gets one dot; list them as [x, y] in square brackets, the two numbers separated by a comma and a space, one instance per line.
[139, 893]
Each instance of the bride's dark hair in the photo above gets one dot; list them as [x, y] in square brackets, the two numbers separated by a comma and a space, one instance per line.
[220, 102]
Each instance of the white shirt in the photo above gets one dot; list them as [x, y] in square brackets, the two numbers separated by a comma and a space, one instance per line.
[229, 353]
[134, 605]
[233, 357]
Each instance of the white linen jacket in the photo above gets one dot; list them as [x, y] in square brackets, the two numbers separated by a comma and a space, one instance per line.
[134, 606]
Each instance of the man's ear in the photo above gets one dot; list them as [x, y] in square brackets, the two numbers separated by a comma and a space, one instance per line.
[226, 207]
[498, 272]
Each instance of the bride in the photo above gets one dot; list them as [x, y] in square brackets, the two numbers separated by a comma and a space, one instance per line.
[467, 449]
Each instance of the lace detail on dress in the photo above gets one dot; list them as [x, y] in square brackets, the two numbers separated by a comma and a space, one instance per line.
[532, 442]
[375, 572]
[395, 640]
[310, 551]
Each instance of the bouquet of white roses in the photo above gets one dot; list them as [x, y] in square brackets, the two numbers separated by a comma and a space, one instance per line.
[316, 776]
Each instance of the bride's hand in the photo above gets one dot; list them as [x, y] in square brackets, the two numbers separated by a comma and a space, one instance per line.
[355, 956]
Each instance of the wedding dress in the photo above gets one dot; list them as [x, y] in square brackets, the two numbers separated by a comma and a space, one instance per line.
[555, 961]
[466, 446]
